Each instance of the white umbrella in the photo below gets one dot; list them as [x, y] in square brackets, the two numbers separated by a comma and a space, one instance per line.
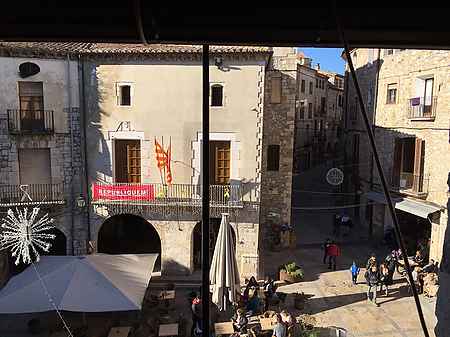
[92, 283]
[224, 275]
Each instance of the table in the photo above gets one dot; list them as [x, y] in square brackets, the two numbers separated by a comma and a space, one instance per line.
[119, 331]
[167, 295]
[168, 330]
[224, 328]
[267, 323]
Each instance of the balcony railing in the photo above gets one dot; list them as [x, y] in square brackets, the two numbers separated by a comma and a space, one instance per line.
[412, 184]
[30, 121]
[422, 107]
[16, 195]
[167, 195]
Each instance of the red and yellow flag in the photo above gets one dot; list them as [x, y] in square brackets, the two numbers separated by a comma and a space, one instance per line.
[163, 159]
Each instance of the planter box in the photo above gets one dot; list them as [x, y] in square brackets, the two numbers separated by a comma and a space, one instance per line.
[288, 278]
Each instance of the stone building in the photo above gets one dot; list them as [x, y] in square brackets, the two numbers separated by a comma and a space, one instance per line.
[129, 104]
[40, 150]
[407, 95]
[318, 118]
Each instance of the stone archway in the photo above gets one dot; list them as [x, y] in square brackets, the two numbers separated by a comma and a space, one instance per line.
[129, 234]
[214, 225]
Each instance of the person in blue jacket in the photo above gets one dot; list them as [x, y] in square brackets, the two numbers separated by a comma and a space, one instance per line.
[354, 269]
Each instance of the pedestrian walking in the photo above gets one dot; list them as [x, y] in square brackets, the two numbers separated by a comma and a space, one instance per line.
[385, 278]
[372, 278]
[337, 225]
[333, 252]
[354, 269]
[372, 261]
[325, 250]
[196, 309]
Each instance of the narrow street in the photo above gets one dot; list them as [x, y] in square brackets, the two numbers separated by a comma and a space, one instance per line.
[334, 300]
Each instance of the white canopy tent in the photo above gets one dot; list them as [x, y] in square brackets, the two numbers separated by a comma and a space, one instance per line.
[224, 274]
[92, 283]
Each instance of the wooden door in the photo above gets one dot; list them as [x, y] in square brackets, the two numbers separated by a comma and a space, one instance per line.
[219, 168]
[397, 162]
[134, 162]
[127, 161]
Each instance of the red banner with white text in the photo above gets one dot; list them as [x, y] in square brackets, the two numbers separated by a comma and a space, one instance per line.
[144, 192]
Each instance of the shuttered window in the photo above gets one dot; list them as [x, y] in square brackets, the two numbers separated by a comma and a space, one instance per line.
[34, 166]
[217, 95]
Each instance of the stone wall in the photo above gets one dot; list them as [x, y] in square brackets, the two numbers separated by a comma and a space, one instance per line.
[278, 129]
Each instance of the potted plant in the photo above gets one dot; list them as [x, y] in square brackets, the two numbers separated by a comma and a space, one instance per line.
[291, 273]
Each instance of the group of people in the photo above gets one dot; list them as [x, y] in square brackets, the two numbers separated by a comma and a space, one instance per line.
[381, 275]
[331, 251]
[341, 220]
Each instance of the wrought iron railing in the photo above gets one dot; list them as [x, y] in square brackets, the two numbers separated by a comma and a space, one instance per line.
[422, 107]
[412, 183]
[32, 194]
[30, 121]
[175, 194]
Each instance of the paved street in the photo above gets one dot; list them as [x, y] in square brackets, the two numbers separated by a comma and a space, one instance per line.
[334, 300]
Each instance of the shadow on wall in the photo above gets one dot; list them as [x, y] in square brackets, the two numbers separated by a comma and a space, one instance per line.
[442, 328]
[171, 267]
[97, 146]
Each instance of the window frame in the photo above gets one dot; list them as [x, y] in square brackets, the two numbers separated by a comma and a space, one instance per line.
[211, 86]
[311, 85]
[119, 86]
[388, 96]
[303, 86]
[273, 163]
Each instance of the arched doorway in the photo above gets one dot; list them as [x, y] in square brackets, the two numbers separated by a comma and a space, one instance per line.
[214, 225]
[129, 234]
[58, 247]
[59, 243]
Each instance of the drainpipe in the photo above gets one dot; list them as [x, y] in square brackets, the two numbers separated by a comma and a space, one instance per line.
[84, 122]
[72, 196]
[375, 101]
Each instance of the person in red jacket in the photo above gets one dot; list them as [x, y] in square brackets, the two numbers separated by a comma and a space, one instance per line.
[333, 251]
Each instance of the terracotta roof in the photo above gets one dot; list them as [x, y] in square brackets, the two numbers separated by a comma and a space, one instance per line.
[62, 48]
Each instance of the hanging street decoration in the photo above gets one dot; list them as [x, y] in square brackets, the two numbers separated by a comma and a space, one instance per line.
[335, 176]
[24, 234]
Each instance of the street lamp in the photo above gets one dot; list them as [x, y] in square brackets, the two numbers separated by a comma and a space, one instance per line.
[80, 202]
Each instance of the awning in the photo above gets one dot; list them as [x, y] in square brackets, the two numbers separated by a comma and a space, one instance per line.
[421, 209]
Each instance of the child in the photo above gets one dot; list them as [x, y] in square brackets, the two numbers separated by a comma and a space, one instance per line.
[354, 269]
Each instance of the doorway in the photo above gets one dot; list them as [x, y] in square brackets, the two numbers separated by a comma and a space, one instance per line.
[214, 226]
[127, 161]
[129, 234]
[219, 162]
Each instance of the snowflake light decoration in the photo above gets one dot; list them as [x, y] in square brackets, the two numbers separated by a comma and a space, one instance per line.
[24, 234]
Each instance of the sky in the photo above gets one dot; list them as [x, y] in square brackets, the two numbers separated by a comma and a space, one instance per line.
[329, 58]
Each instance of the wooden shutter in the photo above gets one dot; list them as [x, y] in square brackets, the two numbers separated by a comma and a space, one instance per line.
[34, 166]
[397, 162]
[220, 162]
[419, 161]
[127, 161]
[134, 162]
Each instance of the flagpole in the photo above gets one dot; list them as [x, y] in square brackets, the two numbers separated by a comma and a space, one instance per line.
[164, 167]
[160, 172]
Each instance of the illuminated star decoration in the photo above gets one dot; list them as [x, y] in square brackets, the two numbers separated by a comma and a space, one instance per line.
[24, 234]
